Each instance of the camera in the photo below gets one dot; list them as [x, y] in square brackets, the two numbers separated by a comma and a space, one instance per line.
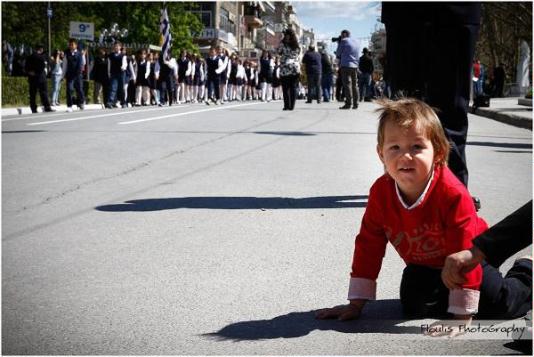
[336, 39]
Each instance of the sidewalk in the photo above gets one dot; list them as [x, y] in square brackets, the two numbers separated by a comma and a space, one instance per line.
[509, 111]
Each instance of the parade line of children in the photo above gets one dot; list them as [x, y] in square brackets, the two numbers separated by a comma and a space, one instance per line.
[144, 78]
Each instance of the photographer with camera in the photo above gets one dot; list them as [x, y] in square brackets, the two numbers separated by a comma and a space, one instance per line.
[347, 52]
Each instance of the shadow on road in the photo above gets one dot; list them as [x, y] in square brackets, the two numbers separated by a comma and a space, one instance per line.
[515, 151]
[501, 145]
[381, 316]
[158, 204]
[22, 131]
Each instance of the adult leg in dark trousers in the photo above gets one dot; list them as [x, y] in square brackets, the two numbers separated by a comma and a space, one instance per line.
[314, 87]
[40, 85]
[78, 86]
[448, 87]
[423, 293]
[430, 52]
[289, 91]
[349, 78]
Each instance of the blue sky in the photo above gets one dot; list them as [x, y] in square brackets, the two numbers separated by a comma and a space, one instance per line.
[328, 18]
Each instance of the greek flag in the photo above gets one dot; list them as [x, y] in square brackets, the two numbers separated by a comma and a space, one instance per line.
[165, 29]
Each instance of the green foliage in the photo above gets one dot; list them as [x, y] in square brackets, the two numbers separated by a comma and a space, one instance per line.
[16, 92]
[140, 18]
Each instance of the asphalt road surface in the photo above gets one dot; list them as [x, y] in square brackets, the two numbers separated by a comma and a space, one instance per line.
[212, 230]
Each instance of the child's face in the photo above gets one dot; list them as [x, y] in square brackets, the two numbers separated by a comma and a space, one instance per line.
[408, 156]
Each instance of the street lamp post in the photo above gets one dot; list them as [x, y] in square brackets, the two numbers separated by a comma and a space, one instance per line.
[49, 16]
[112, 35]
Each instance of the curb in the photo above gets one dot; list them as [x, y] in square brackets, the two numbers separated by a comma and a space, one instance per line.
[507, 118]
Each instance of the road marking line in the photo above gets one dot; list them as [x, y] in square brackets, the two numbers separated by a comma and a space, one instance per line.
[186, 113]
[101, 115]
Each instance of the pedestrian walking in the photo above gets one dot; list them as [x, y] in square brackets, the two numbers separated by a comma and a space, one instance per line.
[36, 68]
[199, 80]
[289, 52]
[56, 63]
[365, 74]
[265, 75]
[129, 77]
[223, 74]
[189, 75]
[183, 66]
[347, 52]
[117, 64]
[72, 70]
[277, 85]
[313, 63]
[100, 77]
[327, 75]
[166, 75]
[214, 67]
[142, 84]
[232, 79]
[499, 76]
[249, 80]
[423, 210]
[152, 83]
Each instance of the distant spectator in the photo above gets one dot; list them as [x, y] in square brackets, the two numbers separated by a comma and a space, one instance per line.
[312, 61]
[72, 71]
[347, 52]
[56, 65]
[289, 52]
[7, 56]
[366, 71]
[499, 76]
[327, 75]
[36, 68]
[100, 76]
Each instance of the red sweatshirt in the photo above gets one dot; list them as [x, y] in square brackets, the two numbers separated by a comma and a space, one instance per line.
[444, 222]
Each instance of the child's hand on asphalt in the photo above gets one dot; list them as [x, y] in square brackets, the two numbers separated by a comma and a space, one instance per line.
[342, 313]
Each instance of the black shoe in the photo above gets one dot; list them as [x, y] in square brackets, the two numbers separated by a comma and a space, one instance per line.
[346, 106]
[81, 107]
[49, 110]
[355, 106]
[476, 202]
[318, 102]
[308, 102]
[285, 108]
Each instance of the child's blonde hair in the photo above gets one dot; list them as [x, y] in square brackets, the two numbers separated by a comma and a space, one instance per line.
[406, 112]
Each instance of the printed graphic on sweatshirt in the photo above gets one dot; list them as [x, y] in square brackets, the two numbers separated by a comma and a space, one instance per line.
[425, 242]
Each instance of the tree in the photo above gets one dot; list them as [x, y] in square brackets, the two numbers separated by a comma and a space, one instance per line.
[504, 25]
[140, 18]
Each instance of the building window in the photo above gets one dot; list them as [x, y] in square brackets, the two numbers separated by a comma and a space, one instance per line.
[205, 17]
[224, 21]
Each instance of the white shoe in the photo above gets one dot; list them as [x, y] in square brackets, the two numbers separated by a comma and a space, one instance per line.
[69, 110]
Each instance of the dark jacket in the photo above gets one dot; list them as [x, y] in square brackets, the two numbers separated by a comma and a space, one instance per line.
[35, 66]
[100, 70]
[366, 64]
[326, 64]
[312, 61]
[74, 64]
[438, 13]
